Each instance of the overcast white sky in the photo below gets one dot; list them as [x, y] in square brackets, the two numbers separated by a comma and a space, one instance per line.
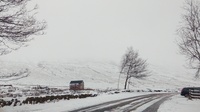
[103, 29]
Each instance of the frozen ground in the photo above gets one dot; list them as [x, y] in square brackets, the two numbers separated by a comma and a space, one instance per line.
[180, 104]
[67, 105]
[97, 75]
[174, 104]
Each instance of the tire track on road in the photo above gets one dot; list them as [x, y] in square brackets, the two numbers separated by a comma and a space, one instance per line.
[154, 107]
[130, 104]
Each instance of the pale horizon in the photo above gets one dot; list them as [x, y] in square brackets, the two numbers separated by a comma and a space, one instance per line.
[103, 30]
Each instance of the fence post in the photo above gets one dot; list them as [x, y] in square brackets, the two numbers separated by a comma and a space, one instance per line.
[189, 96]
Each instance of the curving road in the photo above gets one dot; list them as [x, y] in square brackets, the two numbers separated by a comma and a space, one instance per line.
[129, 104]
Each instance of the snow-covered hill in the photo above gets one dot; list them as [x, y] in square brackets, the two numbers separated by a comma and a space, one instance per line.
[95, 74]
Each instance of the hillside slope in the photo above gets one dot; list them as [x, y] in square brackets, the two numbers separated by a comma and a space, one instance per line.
[95, 75]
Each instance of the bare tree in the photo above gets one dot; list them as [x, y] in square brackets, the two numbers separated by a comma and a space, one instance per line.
[189, 33]
[133, 66]
[17, 24]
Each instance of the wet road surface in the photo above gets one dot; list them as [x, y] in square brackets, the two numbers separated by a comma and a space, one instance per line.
[129, 104]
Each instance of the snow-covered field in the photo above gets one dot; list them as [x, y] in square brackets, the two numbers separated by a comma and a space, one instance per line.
[180, 104]
[96, 75]
[67, 105]
[176, 103]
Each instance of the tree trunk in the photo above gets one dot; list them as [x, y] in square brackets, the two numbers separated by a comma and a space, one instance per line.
[126, 82]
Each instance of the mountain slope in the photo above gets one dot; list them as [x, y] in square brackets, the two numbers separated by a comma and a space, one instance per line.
[95, 75]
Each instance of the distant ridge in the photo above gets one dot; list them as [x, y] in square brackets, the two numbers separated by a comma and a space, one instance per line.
[96, 74]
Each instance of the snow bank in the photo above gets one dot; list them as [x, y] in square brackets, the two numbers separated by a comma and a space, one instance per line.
[180, 104]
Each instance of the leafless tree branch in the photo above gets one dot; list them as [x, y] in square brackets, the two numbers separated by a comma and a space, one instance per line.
[189, 33]
[17, 25]
[133, 66]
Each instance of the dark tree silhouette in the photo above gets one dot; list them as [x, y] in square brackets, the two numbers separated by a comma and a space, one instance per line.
[17, 24]
[133, 66]
[189, 34]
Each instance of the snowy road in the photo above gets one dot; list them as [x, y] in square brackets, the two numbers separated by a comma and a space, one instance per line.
[148, 103]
